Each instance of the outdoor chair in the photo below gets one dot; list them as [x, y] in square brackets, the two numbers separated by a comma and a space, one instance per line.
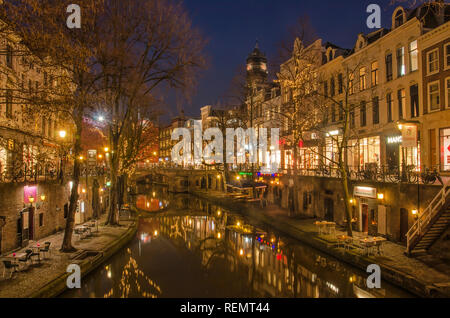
[35, 254]
[8, 265]
[26, 258]
[46, 249]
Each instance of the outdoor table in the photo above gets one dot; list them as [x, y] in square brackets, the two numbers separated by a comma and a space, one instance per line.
[368, 243]
[37, 249]
[379, 243]
[345, 240]
[330, 226]
[320, 226]
[14, 257]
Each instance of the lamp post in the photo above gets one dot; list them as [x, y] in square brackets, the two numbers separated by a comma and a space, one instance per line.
[62, 135]
[415, 123]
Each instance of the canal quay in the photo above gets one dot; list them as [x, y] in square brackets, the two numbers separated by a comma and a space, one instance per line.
[188, 247]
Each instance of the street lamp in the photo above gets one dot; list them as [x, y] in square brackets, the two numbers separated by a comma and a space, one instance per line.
[62, 134]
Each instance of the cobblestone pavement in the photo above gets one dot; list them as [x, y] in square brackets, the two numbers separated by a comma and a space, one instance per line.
[32, 278]
[427, 268]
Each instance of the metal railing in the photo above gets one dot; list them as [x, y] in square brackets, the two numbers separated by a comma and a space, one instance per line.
[427, 215]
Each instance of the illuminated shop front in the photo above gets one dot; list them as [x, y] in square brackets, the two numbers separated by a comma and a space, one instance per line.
[365, 206]
[364, 152]
[309, 158]
[397, 155]
[444, 142]
[332, 148]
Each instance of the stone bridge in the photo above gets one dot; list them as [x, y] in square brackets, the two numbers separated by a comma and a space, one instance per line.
[177, 178]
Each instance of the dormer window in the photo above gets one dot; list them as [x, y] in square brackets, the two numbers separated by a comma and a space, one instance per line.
[398, 18]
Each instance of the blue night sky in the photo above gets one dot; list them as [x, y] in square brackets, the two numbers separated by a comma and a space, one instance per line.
[232, 26]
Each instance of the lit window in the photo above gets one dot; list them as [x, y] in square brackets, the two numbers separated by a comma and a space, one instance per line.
[413, 56]
[433, 62]
[433, 96]
[447, 102]
[401, 62]
[374, 68]
[447, 55]
[362, 78]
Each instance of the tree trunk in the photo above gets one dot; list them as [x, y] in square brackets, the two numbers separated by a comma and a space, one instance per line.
[95, 199]
[67, 240]
[348, 210]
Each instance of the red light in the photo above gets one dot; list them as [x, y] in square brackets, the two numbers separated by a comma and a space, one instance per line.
[279, 257]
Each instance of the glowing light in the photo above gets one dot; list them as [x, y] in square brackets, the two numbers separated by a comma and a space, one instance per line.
[84, 190]
[218, 176]
[238, 224]
[380, 196]
[106, 149]
[31, 199]
[155, 233]
[101, 118]
[238, 177]
[241, 252]
[43, 197]
[81, 157]
[414, 212]
[219, 235]
[351, 201]
[100, 156]
[62, 133]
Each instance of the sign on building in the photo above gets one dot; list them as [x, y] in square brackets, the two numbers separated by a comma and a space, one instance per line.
[409, 136]
[92, 157]
[365, 192]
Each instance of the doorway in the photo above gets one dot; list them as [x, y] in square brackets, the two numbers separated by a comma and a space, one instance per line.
[403, 224]
[329, 209]
[364, 217]
[31, 223]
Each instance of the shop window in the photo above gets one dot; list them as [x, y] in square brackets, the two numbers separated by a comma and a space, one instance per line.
[445, 149]
[433, 96]
[369, 151]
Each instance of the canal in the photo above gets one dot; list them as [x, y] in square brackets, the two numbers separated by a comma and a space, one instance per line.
[187, 247]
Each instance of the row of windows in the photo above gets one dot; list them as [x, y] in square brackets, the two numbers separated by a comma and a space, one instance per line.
[375, 107]
[433, 60]
[434, 95]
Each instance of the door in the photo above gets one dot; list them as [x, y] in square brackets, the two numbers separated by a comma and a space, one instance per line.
[365, 217]
[31, 223]
[433, 148]
[403, 224]
[329, 209]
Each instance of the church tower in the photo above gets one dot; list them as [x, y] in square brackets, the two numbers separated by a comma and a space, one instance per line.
[256, 68]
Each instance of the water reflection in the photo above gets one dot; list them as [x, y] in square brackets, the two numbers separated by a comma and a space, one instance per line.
[196, 249]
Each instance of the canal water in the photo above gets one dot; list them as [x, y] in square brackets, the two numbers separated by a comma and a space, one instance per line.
[187, 247]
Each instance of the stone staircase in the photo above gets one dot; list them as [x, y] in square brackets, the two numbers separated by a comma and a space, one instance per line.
[431, 223]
